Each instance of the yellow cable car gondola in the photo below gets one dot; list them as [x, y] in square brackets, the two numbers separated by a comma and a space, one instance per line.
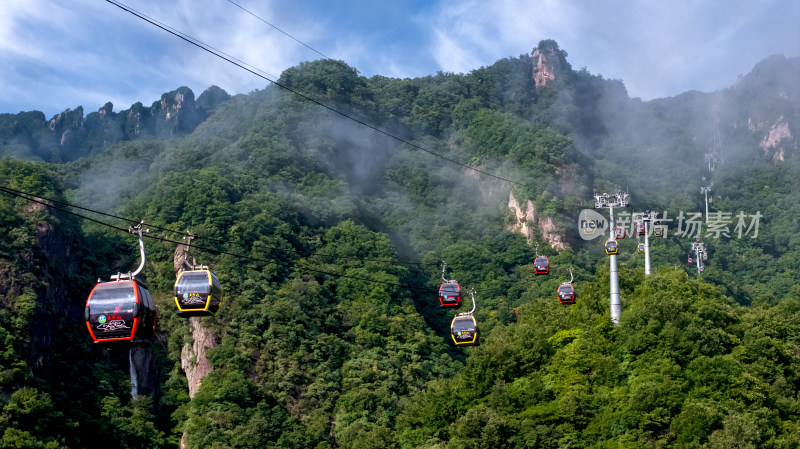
[464, 327]
[197, 293]
[464, 330]
[658, 231]
[640, 248]
[611, 247]
[197, 290]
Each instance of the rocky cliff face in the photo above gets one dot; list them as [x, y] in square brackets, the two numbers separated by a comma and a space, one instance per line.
[765, 104]
[526, 217]
[177, 113]
[773, 144]
[193, 356]
[38, 292]
[547, 64]
[523, 217]
[69, 135]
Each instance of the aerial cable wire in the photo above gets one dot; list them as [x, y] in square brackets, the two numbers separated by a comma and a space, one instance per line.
[257, 72]
[240, 256]
[273, 26]
[32, 197]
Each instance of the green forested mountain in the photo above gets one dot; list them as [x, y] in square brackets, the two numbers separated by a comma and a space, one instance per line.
[326, 206]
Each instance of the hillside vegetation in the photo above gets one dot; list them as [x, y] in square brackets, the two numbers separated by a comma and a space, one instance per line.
[328, 237]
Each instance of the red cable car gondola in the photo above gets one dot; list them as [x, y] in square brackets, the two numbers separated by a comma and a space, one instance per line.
[566, 293]
[638, 228]
[450, 294]
[120, 311]
[541, 265]
[619, 232]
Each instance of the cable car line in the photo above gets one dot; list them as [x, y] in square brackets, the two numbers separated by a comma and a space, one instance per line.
[240, 256]
[227, 242]
[273, 26]
[203, 46]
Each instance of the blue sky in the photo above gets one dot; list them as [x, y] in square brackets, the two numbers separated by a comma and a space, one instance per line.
[63, 54]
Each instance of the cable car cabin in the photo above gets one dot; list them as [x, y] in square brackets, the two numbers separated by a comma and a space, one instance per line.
[541, 265]
[120, 311]
[705, 255]
[640, 248]
[619, 232]
[691, 261]
[702, 268]
[638, 228]
[589, 227]
[566, 293]
[612, 248]
[658, 231]
[450, 294]
[197, 293]
[464, 330]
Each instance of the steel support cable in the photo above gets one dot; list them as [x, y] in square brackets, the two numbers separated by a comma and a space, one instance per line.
[273, 26]
[254, 71]
[240, 256]
[220, 241]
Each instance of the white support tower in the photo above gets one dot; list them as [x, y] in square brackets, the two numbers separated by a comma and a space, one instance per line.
[648, 219]
[704, 191]
[700, 254]
[610, 201]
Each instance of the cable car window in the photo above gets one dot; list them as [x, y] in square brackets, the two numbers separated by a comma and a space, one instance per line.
[190, 283]
[463, 325]
[111, 307]
[450, 288]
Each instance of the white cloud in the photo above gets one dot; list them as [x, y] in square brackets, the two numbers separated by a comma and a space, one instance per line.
[58, 55]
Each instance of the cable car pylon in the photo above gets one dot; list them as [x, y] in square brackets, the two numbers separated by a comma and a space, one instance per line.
[611, 201]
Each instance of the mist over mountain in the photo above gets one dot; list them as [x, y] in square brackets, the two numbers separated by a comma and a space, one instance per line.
[326, 206]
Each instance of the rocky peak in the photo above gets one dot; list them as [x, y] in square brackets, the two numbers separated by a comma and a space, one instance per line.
[177, 113]
[545, 69]
[106, 111]
[525, 218]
